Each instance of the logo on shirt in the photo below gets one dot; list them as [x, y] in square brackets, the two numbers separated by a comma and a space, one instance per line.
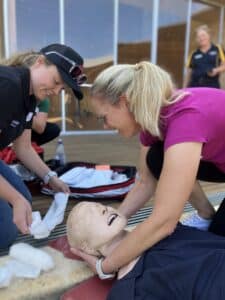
[14, 123]
[213, 52]
[29, 116]
[198, 56]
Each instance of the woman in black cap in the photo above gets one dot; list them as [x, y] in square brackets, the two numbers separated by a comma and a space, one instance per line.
[24, 80]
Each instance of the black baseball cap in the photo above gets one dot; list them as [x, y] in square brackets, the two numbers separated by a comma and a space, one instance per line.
[69, 64]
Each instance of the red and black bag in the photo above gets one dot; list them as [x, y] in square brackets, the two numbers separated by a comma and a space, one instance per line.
[115, 191]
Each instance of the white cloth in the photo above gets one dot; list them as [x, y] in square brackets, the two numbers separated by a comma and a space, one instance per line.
[83, 177]
[22, 269]
[26, 253]
[5, 276]
[54, 216]
[24, 261]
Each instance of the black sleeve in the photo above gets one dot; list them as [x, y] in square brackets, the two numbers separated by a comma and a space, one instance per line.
[32, 112]
[9, 94]
[29, 124]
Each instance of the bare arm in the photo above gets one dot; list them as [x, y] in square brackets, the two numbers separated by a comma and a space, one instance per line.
[217, 70]
[143, 189]
[28, 156]
[177, 178]
[187, 77]
[39, 122]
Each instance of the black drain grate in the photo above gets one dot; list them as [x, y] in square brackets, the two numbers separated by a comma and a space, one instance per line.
[140, 216]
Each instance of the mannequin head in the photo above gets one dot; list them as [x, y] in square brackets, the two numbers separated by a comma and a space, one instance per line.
[91, 225]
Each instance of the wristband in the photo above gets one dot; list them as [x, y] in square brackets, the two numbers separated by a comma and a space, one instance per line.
[48, 176]
[100, 273]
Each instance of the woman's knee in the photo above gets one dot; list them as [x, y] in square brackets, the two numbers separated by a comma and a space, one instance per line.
[57, 130]
[53, 130]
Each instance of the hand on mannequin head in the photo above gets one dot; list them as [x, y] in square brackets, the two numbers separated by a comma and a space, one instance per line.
[94, 228]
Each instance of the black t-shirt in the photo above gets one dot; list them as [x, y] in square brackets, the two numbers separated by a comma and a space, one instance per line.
[187, 265]
[17, 106]
[203, 62]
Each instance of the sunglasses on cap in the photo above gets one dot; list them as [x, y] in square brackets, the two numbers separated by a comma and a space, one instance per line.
[75, 70]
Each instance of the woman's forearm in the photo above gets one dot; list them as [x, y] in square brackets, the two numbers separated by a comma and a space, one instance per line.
[28, 156]
[173, 190]
[143, 188]
[137, 197]
[140, 239]
[33, 162]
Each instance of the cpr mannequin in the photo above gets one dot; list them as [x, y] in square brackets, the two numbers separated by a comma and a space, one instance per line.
[97, 229]
[187, 265]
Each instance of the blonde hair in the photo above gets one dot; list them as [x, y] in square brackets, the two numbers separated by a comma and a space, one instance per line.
[25, 59]
[147, 87]
[203, 27]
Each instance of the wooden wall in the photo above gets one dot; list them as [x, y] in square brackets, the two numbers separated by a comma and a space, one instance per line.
[171, 51]
[215, 2]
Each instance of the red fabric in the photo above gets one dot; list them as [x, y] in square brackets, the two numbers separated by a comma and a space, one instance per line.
[9, 156]
[61, 244]
[37, 148]
[91, 289]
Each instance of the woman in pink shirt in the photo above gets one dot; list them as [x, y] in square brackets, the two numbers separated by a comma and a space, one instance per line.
[181, 140]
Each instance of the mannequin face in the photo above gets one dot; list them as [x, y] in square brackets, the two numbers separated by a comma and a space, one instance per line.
[94, 225]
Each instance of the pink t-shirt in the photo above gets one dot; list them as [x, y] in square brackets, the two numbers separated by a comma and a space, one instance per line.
[198, 117]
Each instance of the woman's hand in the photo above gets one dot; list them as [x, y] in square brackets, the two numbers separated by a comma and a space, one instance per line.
[89, 259]
[58, 185]
[22, 215]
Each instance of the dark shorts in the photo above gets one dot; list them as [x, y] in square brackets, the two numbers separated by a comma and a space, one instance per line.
[207, 171]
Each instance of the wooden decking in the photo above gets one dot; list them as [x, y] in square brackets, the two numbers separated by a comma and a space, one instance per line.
[102, 149]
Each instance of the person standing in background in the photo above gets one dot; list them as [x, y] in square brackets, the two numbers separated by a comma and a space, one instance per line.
[206, 63]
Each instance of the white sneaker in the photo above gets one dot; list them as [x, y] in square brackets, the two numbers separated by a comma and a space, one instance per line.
[196, 221]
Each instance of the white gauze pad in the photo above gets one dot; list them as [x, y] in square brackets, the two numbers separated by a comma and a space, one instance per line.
[29, 255]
